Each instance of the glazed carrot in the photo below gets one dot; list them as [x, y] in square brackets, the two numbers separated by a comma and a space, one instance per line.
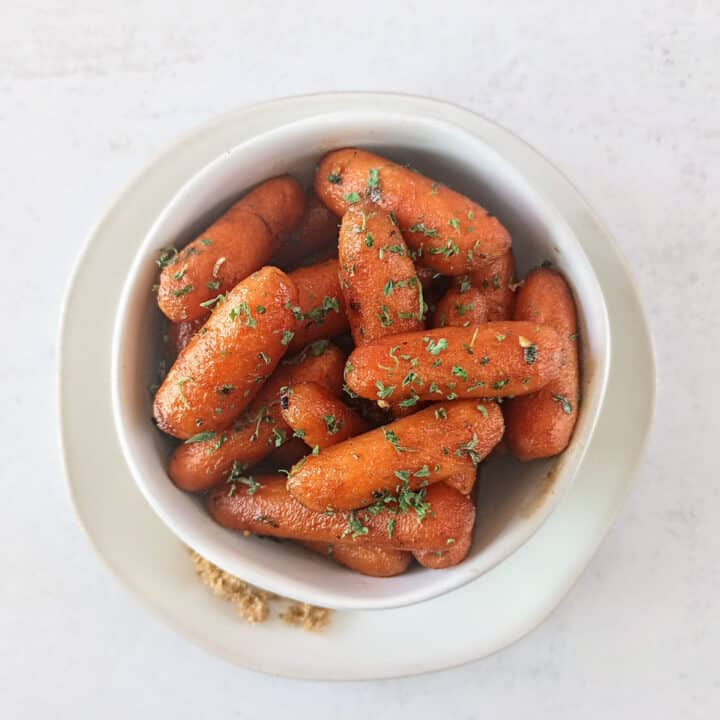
[316, 415]
[317, 229]
[320, 310]
[200, 465]
[234, 246]
[284, 456]
[180, 334]
[377, 276]
[365, 559]
[495, 280]
[434, 444]
[262, 505]
[497, 359]
[220, 371]
[398, 410]
[454, 554]
[451, 233]
[281, 203]
[463, 482]
[456, 309]
[541, 425]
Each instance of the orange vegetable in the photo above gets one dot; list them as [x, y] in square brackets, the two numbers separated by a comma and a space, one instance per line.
[317, 229]
[456, 309]
[464, 482]
[321, 306]
[454, 554]
[262, 505]
[180, 334]
[284, 456]
[492, 360]
[451, 233]
[541, 425]
[234, 246]
[377, 276]
[437, 443]
[365, 559]
[495, 281]
[200, 465]
[224, 365]
[315, 414]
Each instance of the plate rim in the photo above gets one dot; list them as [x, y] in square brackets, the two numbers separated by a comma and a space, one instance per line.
[183, 143]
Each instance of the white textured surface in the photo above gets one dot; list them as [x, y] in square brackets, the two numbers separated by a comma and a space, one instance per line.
[625, 99]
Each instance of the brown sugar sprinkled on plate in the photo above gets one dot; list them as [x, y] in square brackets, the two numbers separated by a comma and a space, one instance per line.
[252, 603]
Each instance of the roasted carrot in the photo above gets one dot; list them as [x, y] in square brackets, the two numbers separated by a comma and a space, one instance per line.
[437, 443]
[541, 425]
[365, 559]
[464, 482]
[317, 229]
[262, 505]
[200, 465]
[180, 334]
[454, 554]
[494, 279]
[377, 276]
[497, 359]
[281, 203]
[456, 309]
[234, 246]
[283, 457]
[320, 311]
[317, 415]
[451, 233]
[223, 367]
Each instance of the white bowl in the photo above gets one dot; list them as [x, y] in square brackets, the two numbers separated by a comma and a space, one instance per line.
[514, 499]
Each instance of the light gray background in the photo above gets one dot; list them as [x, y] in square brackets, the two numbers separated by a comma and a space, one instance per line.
[624, 97]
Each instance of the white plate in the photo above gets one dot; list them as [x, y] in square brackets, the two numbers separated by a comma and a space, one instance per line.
[505, 603]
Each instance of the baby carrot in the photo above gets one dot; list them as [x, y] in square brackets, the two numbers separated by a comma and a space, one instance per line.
[451, 233]
[497, 359]
[434, 444]
[224, 365]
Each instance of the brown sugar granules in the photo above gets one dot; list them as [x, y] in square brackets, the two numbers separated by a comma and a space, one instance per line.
[308, 617]
[252, 603]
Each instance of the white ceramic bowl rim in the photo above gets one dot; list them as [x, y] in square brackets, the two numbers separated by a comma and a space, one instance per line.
[182, 516]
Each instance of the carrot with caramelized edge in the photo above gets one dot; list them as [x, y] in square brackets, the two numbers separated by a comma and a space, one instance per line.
[497, 359]
[317, 415]
[541, 425]
[382, 291]
[451, 233]
[180, 334]
[262, 505]
[464, 482]
[494, 280]
[434, 444]
[200, 465]
[320, 311]
[456, 309]
[234, 246]
[454, 554]
[283, 457]
[224, 365]
[365, 559]
[317, 229]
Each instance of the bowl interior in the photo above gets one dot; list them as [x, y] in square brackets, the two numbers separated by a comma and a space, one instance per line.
[513, 498]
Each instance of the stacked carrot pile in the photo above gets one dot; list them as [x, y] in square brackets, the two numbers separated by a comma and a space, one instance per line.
[340, 390]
